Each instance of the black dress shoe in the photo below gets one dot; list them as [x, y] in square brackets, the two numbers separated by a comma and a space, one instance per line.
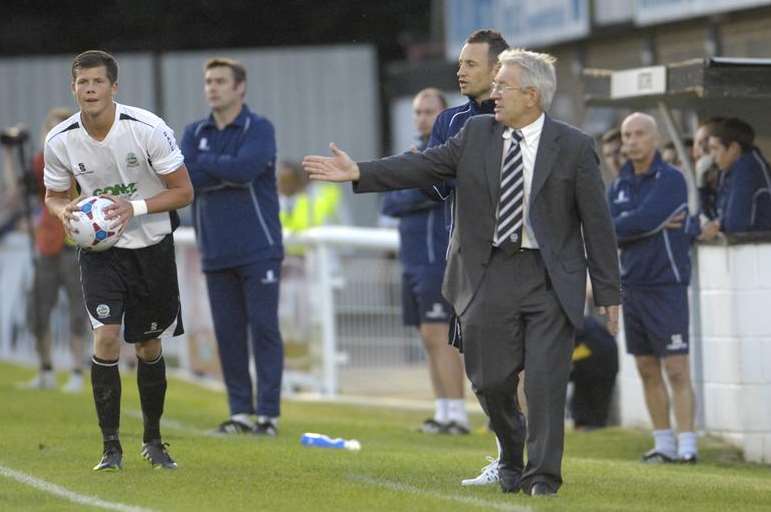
[542, 489]
[509, 480]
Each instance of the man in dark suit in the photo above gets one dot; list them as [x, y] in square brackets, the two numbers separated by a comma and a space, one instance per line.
[530, 215]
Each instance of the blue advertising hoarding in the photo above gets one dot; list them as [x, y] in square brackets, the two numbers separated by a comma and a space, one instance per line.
[524, 23]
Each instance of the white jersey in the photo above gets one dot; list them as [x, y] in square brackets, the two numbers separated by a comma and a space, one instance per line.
[127, 163]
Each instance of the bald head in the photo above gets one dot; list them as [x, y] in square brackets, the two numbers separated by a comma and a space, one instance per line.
[640, 136]
[426, 105]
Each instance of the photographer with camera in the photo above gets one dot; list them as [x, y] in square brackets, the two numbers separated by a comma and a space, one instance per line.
[56, 266]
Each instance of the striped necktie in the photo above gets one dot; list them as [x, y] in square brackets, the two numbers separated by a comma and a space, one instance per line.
[511, 203]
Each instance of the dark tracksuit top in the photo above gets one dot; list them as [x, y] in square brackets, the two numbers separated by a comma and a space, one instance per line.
[422, 226]
[640, 206]
[235, 212]
[744, 195]
[236, 218]
[448, 123]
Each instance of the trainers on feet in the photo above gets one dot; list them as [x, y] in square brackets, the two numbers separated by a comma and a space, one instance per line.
[74, 384]
[455, 429]
[112, 460]
[156, 454]
[46, 379]
[654, 457]
[265, 428]
[233, 426]
[488, 476]
[688, 458]
[431, 426]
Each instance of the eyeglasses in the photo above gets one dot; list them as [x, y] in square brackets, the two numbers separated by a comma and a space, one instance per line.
[498, 87]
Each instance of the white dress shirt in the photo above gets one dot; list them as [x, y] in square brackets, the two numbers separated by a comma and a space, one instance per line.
[531, 136]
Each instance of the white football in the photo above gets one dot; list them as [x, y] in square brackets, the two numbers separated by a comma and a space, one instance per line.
[90, 230]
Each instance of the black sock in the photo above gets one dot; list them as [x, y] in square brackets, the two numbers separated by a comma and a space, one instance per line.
[151, 380]
[105, 382]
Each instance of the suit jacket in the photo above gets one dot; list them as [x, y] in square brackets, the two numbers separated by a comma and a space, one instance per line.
[567, 208]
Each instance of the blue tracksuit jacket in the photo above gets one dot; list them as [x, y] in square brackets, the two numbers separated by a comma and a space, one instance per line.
[744, 195]
[640, 205]
[448, 123]
[422, 226]
[236, 202]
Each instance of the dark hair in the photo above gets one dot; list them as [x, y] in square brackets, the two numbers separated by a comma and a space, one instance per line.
[94, 59]
[687, 142]
[612, 135]
[493, 38]
[433, 91]
[734, 130]
[711, 123]
[238, 69]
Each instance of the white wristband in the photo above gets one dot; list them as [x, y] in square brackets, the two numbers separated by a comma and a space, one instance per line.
[139, 207]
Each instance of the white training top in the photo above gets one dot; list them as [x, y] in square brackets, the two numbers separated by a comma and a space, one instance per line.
[127, 163]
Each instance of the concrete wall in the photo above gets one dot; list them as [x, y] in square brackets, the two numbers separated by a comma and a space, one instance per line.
[735, 303]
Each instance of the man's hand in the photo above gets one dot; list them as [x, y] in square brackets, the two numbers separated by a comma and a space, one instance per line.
[676, 221]
[337, 168]
[118, 213]
[710, 230]
[612, 313]
[66, 215]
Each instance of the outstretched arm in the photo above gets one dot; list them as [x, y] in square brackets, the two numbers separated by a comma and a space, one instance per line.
[337, 168]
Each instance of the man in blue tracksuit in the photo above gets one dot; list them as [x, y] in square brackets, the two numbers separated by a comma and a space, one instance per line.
[423, 238]
[744, 187]
[231, 159]
[648, 203]
[477, 65]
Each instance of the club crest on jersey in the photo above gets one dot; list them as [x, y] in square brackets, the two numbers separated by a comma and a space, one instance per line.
[132, 160]
[203, 144]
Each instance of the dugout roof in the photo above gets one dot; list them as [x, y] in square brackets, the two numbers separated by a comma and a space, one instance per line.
[713, 86]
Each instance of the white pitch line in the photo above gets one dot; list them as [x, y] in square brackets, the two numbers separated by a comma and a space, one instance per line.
[394, 486]
[57, 490]
[466, 500]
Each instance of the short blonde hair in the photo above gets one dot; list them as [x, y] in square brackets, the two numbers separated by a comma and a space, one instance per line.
[537, 71]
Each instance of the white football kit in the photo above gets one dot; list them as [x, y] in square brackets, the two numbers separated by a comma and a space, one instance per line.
[127, 163]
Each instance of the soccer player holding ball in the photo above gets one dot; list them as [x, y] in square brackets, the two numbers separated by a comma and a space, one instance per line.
[129, 155]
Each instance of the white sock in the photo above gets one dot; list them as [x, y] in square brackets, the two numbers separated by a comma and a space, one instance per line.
[456, 411]
[268, 419]
[665, 442]
[243, 418]
[687, 444]
[440, 415]
[499, 447]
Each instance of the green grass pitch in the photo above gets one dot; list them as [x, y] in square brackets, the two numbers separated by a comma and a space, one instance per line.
[53, 437]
